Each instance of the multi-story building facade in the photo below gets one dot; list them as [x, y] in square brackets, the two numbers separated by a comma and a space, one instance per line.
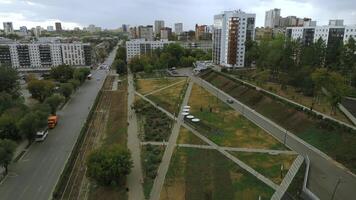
[50, 28]
[202, 32]
[328, 33]
[202, 45]
[231, 30]
[145, 32]
[140, 47]
[166, 33]
[159, 24]
[58, 26]
[8, 27]
[178, 28]
[37, 56]
[272, 18]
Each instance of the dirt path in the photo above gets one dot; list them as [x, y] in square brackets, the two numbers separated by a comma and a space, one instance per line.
[134, 179]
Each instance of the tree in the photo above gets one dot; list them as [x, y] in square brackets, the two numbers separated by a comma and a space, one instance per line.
[66, 89]
[81, 74]
[109, 166]
[32, 122]
[8, 80]
[7, 149]
[62, 73]
[120, 66]
[41, 89]
[8, 128]
[75, 83]
[54, 101]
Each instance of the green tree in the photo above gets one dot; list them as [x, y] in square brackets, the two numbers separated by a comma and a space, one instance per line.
[8, 80]
[75, 83]
[120, 66]
[7, 149]
[8, 128]
[348, 58]
[62, 73]
[66, 89]
[81, 74]
[109, 166]
[41, 89]
[33, 122]
[54, 101]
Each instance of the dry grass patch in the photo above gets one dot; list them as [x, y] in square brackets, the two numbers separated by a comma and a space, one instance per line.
[187, 137]
[228, 127]
[145, 86]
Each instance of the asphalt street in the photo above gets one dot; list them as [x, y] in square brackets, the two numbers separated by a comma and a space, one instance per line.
[35, 175]
[325, 177]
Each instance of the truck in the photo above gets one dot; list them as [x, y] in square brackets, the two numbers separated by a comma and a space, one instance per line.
[52, 121]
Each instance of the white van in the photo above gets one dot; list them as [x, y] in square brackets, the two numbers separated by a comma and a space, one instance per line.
[41, 135]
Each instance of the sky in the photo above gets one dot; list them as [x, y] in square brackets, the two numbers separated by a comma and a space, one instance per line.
[112, 14]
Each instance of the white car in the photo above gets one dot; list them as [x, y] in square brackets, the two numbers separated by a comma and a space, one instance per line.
[41, 135]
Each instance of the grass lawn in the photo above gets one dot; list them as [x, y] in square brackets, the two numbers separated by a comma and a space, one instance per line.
[115, 133]
[337, 142]
[267, 164]
[227, 126]
[145, 86]
[206, 174]
[170, 98]
[187, 137]
[151, 157]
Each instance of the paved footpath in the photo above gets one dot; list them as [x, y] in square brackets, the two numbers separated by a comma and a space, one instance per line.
[134, 179]
[163, 168]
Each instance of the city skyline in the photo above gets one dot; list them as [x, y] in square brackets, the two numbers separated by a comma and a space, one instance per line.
[42, 13]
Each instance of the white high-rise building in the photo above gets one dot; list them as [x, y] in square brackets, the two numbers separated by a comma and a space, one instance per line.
[272, 18]
[8, 28]
[231, 30]
[140, 47]
[159, 24]
[178, 28]
[50, 28]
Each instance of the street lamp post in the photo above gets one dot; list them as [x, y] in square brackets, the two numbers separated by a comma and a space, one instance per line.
[285, 137]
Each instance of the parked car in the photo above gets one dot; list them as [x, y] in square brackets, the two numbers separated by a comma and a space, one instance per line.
[230, 101]
[41, 135]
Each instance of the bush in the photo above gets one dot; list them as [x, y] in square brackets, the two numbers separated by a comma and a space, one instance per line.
[109, 166]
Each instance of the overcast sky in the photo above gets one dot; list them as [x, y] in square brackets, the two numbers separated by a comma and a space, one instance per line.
[112, 13]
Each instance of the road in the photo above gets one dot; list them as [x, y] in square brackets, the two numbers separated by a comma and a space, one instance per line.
[35, 175]
[325, 173]
[135, 178]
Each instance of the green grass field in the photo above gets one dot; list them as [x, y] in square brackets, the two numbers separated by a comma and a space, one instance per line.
[145, 86]
[187, 137]
[336, 142]
[266, 164]
[206, 174]
[226, 126]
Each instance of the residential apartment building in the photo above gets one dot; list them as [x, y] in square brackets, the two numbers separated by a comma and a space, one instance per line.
[159, 24]
[272, 18]
[328, 33]
[231, 30]
[8, 28]
[166, 33]
[37, 56]
[202, 45]
[58, 26]
[146, 32]
[202, 32]
[140, 47]
[178, 28]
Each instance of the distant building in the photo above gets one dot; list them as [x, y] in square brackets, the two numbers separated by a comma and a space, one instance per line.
[186, 36]
[133, 33]
[58, 26]
[23, 29]
[44, 55]
[329, 33]
[146, 32]
[37, 31]
[125, 28]
[336, 22]
[8, 28]
[202, 45]
[231, 31]
[93, 29]
[178, 28]
[202, 32]
[140, 47]
[50, 28]
[166, 33]
[272, 18]
[159, 24]
[263, 33]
